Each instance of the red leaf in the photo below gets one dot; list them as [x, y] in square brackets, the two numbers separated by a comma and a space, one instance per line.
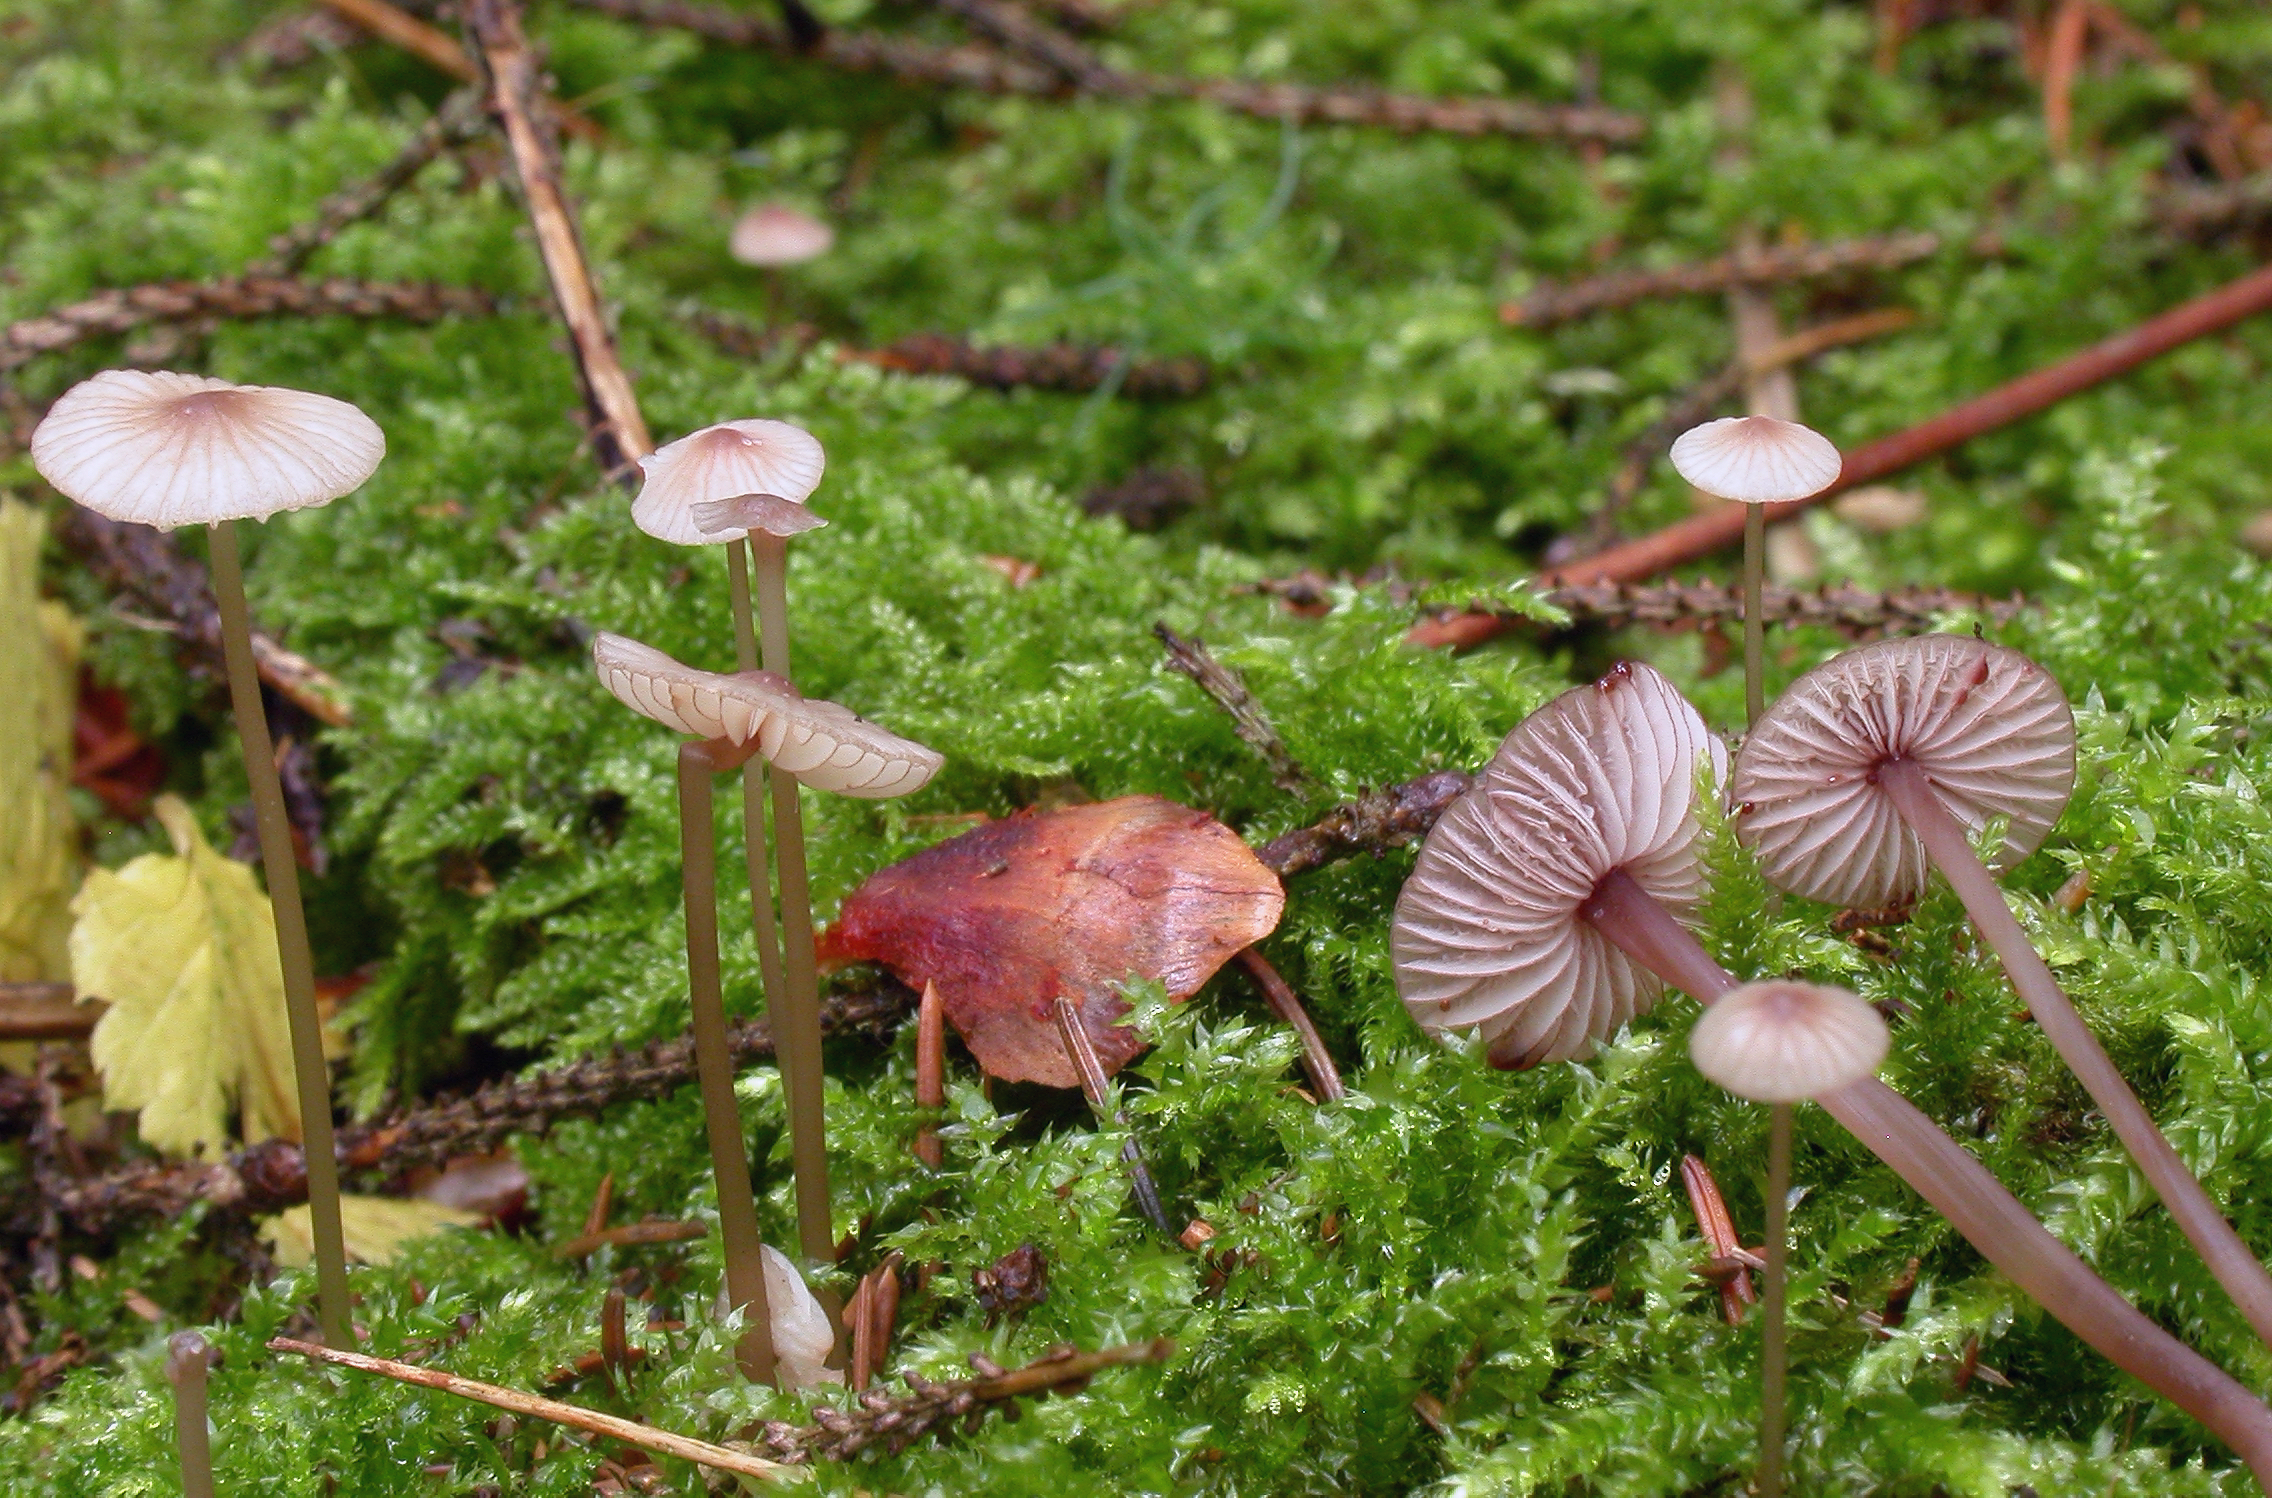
[1007, 916]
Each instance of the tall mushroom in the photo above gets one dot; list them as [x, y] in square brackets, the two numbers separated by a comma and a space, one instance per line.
[1759, 461]
[728, 720]
[1779, 1044]
[1545, 907]
[1877, 767]
[762, 471]
[173, 449]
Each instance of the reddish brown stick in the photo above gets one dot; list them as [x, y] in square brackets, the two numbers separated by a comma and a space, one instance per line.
[1701, 535]
[1317, 1061]
[630, 1233]
[1718, 1231]
[874, 1310]
[930, 1072]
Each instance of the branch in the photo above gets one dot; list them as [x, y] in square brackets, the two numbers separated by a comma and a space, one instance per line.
[1773, 266]
[1248, 720]
[618, 430]
[460, 119]
[1857, 612]
[440, 50]
[988, 71]
[42, 1011]
[1373, 823]
[1053, 366]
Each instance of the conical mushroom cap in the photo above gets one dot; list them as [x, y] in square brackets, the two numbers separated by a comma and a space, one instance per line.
[1989, 727]
[1488, 931]
[1778, 1042]
[823, 744]
[174, 449]
[1756, 459]
[775, 234]
[726, 461]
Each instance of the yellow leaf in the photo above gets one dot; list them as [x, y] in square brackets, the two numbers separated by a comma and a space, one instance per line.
[375, 1227]
[39, 845]
[184, 950]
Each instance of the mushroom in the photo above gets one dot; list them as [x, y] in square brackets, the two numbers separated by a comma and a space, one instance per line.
[188, 1356]
[173, 449]
[761, 472]
[1779, 1043]
[730, 719]
[774, 234]
[1504, 924]
[1880, 765]
[1758, 460]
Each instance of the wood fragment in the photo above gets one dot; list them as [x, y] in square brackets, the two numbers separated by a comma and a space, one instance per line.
[1858, 613]
[645, 1437]
[628, 1234]
[1770, 265]
[1073, 368]
[1718, 1230]
[460, 118]
[930, 1073]
[46, 1011]
[439, 50]
[1373, 823]
[1317, 1061]
[1229, 692]
[1093, 1086]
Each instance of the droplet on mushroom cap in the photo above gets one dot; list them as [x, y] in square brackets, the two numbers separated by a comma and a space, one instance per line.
[776, 234]
[727, 461]
[1779, 1042]
[1489, 931]
[732, 519]
[173, 449]
[1756, 459]
[1988, 726]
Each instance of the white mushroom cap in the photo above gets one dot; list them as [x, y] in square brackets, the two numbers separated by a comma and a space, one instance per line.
[1488, 930]
[1779, 1042]
[823, 744]
[1756, 459]
[1989, 727]
[732, 519]
[776, 234]
[802, 1337]
[726, 461]
[173, 449]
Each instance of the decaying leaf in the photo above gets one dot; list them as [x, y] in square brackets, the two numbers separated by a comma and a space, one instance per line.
[39, 844]
[376, 1227]
[1078, 901]
[184, 950]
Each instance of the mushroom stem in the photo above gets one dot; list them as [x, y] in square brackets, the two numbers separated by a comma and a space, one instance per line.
[2237, 1269]
[713, 1059]
[1754, 620]
[930, 1074]
[309, 1069]
[1774, 1352]
[188, 1355]
[1963, 1190]
[799, 1013]
[762, 928]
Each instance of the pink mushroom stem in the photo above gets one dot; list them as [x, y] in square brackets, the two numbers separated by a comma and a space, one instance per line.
[1910, 789]
[1965, 1192]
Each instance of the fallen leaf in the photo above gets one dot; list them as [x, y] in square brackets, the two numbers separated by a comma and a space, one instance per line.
[184, 949]
[1079, 901]
[375, 1227]
[39, 840]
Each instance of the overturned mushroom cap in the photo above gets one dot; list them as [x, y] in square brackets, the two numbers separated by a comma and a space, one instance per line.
[1779, 1042]
[732, 519]
[173, 449]
[1488, 930]
[823, 744]
[726, 461]
[1989, 727]
[1756, 459]
[775, 234]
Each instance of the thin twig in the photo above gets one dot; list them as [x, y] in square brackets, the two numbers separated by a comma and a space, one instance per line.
[1083, 1055]
[628, 1235]
[1856, 612]
[46, 1011]
[1317, 1061]
[1253, 726]
[439, 50]
[1373, 823]
[1054, 366]
[1773, 265]
[460, 119]
[1015, 30]
[618, 430]
[1718, 1231]
[645, 1437]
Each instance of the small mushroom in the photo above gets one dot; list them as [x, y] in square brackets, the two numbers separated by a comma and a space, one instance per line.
[1758, 460]
[724, 462]
[1481, 931]
[173, 449]
[188, 1357]
[1778, 1043]
[1882, 764]
[774, 234]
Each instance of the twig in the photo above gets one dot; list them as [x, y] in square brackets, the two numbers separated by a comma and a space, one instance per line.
[45, 1011]
[1856, 612]
[930, 1073]
[1317, 1061]
[1229, 693]
[1703, 534]
[235, 298]
[440, 50]
[1083, 1055]
[1373, 823]
[1771, 266]
[460, 119]
[1010, 26]
[986, 70]
[646, 1437]
[1053, 366]
[1718, 1231]
[618, 430]
[631, 1233]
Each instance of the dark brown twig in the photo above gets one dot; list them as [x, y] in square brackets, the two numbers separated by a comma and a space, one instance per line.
[1373, 823]
[1223, 686]
[1773, 265]
[1718, 1230]
[1317, 1061]
[1010, 26]
[460, 119]
[1856, 612]
[45, 1011]
[1052, 366]
[629, 1235]
[1083, 1055]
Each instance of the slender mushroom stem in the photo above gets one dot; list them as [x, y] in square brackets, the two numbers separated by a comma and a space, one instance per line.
[2237, 1269]
[1317, 1061]
[799, 1016]
[188, 1355]
[309, 1069]
[1754, 617]
[1774, 1352]
[729, 1154]
[1963, 1190]
[762, 928]
[930, 1073]
[1083, 1055]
